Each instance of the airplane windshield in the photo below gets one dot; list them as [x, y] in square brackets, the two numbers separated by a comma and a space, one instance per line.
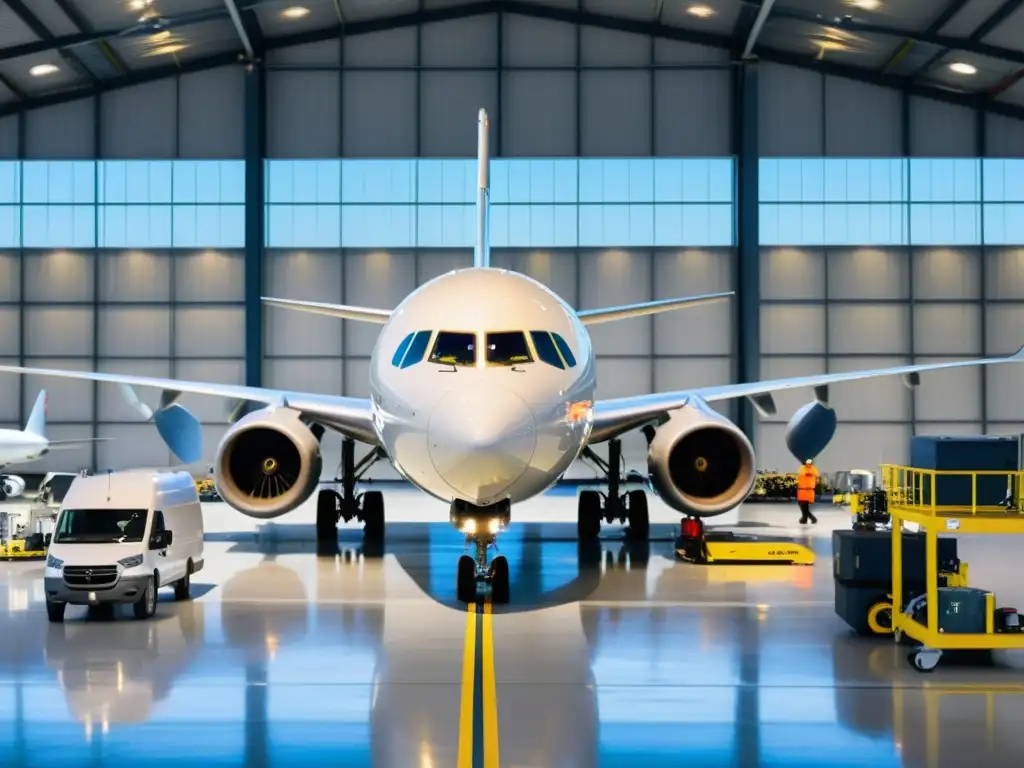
[508, 348]
[453, 348]
[91, 526]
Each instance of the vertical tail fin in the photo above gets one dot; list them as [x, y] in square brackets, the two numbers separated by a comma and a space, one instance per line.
[482, 254]
[36, 424]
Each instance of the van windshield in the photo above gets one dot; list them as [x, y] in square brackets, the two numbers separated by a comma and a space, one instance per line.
[92, 526]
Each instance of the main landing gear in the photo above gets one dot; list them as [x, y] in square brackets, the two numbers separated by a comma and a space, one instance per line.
[367, 507]
[481, 525]
[594, 506]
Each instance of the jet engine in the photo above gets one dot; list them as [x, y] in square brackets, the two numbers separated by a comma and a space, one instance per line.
[268, 463]
[11, 486]
[810, 430]
[700, 463]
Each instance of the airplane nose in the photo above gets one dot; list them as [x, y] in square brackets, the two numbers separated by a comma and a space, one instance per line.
[481, 443]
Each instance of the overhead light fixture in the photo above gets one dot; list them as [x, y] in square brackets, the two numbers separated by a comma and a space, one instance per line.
[867, 5]
[701, 11]
[295, 12]
[41, 70]
[138, 5]
[963, 68]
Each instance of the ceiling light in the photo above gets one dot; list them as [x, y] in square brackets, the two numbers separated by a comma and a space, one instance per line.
[295, 12]
[138, 5]
[963, 68]
[40, 70]
[164, 50]
[867, 5]
[701, 11]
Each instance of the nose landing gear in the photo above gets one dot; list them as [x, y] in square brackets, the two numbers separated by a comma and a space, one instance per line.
[481, 526]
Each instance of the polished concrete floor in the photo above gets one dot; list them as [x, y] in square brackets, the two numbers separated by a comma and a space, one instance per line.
[619, 657]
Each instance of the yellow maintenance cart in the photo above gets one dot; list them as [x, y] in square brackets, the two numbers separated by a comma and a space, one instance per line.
[912, 499]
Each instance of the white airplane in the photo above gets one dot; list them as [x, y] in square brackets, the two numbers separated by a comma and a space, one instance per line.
[29, 444]
[482, 389]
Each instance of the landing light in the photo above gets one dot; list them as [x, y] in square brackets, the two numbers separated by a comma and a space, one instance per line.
[469, 526]
[494, 525]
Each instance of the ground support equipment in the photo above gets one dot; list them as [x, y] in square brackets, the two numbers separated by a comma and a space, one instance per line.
[695, 545]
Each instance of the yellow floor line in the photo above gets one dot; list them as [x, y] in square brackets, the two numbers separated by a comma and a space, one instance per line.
[466, 707]
[490, 691]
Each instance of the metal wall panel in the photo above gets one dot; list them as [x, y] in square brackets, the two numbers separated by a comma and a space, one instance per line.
[323, 377]
[880, 399]
[676, 373]
[326, 54]
[692, 113]
[1004, 136]
[110, 402]
[461, 43]
[393, 48]
[1004, 384]
[134, 276]
[63, 131]
[793, 329]
[881, 329]
[862, 120]
[622, 376]
[209, 276]
[208, 332]
[134, 331]
[303, 114]
[938, 129]
[673, 52]
[70, 460]
[431, 264]
[58, 330]
[131, 445]
[948, 329]
[1005, 328]
[211, 114]
[10, 331]
[947, 273]
[9, 137]
[306, 276]
[538, 43]
[1004, 273]
[380, 117]
[140, 122]
[792, 273]
[788, 401]
[610, 48]
[209, 409]
[865, 446]
[949, 428]
[10, 276]
[613, 278]
[357, 378]
[539, 114]
[790, 120]
[953, 395]
[555, 269]
[69, 400]
[615, 114]
[706, 330]
[449, 103]
[868, 273]
[58, 276]
[375, 279]
[10, 395]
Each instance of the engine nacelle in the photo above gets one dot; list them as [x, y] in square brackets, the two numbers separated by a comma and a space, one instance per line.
[268, 463]
[12, 486]
[810, 430]
[700, 463]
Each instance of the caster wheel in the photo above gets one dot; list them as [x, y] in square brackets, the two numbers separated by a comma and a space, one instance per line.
[327, 517]
[465, 584]
[637, 515]
[924, 660]
[499, 580]
[588, 515]
[55, 611]
[373, 515]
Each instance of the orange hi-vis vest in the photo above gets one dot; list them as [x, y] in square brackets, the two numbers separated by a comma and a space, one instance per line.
[806, 482]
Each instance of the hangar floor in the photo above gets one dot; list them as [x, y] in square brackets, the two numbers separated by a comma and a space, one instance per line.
[626, 658]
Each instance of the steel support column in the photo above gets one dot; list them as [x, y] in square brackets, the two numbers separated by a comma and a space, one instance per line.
[255, 151]
[748, 257]
[905, 147]
[981, 150]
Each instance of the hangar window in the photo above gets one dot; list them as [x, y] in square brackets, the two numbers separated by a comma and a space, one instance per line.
[563, 348]
[454, 348]
[508, 348]
[547, 352]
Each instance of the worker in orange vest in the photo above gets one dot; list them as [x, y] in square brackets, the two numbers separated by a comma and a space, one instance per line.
[806, 482]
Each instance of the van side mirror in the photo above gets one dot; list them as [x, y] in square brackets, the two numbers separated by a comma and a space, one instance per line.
[160, 540]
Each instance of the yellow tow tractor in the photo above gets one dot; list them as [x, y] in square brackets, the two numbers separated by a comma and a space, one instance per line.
[694, 545]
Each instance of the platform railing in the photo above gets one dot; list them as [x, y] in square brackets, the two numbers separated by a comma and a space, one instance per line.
[917, 490]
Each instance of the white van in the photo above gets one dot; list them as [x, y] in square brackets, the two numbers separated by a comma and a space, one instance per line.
[120, 537]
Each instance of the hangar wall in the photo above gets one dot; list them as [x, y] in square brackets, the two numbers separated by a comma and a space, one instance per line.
[553, 91]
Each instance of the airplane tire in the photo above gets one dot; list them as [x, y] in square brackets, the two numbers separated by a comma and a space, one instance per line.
[373, 515]
[638, 516]
[326, 517]
[500, 587]
[588, 515]
[465, 584]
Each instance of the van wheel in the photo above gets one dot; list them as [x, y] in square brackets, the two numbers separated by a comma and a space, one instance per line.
[183, 586]
[55, 611]
[145, 606]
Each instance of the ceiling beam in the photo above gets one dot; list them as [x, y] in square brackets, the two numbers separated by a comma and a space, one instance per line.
[40, 30]
[755, 31]
[996, 18]
[15, 90]
[520, 7]
[243, 34]
[82, 24]
[953, 7]
[744, 24]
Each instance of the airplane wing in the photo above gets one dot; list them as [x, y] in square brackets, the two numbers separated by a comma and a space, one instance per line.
[349, 415]
[66, 445]
[607, 314]
[344, 311]
[615, 416]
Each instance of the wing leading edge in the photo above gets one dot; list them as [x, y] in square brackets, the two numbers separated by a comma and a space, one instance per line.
[618, 415]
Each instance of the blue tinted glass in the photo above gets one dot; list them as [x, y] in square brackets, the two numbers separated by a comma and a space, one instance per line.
[499, 226]
[542, 225]
[208, 181]
[546, 351]
[400, 352]
[458, 178]
[721, 180]
[591, 225]
[641, 225]
[429, 226]
[59, 226]
[591, 181]
[641, 181]
[10, 226]
[83, 182]
[518, 181]
[278, 181]
[566, 181]
[183, 225]
[416, 349]
[10, 182]
[519, 226]
[858, 181]
[458, 226]
[380, 181]
[232, 226]
[278, 226]
[430, 181]
[378, 226]
[542, 181]
[570, 360]
[768, 180]
[34, 176]
[668, 180]
[812, 179]
[113, 181]
[721, 226]
[615, 181]
[499, 181]
[696, 181]
[668, 224]
[184, 181]
[564, 226]
[232, 180]
[768, 224]
[112, 229]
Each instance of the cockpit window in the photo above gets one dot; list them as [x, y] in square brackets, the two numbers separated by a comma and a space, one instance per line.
[570, 360]
[411, 350]
[546, 350]
[508, 348]
[400, 352]
[453, 348]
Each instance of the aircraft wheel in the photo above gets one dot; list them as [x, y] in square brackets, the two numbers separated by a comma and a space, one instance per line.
[639, 519]
[465, 585]
[327, 516]
[588, 515]
[373, 515]
[55, 611]
[499, 580]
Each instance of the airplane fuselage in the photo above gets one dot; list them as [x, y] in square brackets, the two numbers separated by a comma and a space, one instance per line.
[483, 414]
[17, 446]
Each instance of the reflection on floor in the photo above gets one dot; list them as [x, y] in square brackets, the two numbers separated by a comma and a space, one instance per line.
[618, 656]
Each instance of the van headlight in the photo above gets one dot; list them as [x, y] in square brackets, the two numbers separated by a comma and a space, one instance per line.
[130, 562]
[54, 562]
